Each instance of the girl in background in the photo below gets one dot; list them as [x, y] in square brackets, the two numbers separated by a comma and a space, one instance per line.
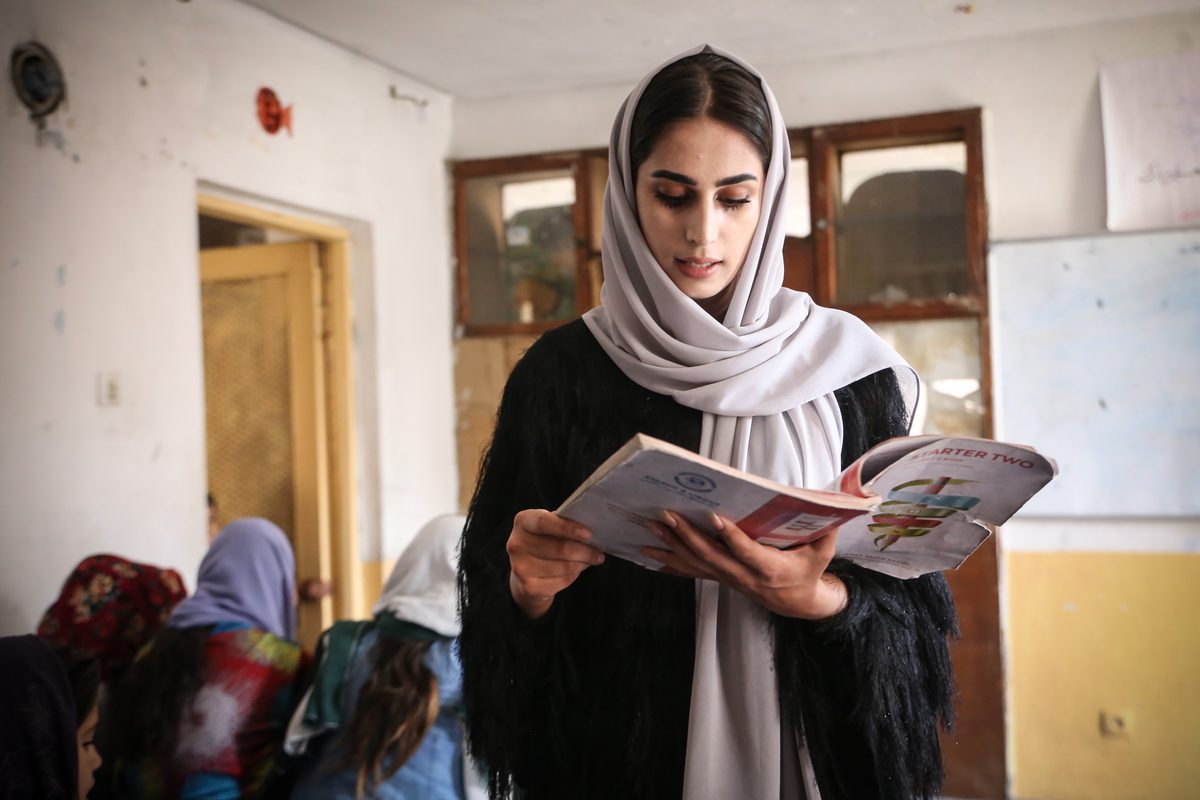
[83, 676]
[48, 717]
[202, 713]
[383, 718]
[111, 607]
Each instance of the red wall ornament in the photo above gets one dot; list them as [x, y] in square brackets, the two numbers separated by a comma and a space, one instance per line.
[272, 114]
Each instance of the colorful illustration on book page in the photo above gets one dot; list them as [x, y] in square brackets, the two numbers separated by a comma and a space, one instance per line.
[915, 508]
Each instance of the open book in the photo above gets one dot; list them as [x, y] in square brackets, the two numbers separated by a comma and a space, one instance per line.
[908, 506]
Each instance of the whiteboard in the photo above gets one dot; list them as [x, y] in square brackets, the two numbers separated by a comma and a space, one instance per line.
[1096, 363]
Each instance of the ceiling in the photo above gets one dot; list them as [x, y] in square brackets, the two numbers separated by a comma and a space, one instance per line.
[478, 49]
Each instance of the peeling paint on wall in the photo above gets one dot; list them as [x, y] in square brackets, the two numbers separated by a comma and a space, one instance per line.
[58, 141]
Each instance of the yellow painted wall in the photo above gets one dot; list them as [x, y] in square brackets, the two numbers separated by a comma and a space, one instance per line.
[1103, 631]
[374, 573]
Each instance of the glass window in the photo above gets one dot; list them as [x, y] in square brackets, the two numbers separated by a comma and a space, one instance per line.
[598, 172]
[946, 355]
[521, 247]
[799, 217]
[901, 224]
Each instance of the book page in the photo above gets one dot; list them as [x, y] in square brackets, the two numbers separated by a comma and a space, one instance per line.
[619, 507]
[933, 500]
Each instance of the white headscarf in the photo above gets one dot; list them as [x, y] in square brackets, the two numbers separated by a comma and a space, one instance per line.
[764, 378]
[421, 588]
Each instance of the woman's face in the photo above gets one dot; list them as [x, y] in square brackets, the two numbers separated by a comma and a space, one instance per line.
[89, 756]
[699, 199]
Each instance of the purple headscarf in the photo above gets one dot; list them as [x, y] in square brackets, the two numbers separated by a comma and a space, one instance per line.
[38, 756]
[249, 576]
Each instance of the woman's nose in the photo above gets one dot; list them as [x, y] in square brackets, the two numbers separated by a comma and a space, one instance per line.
[701, 226]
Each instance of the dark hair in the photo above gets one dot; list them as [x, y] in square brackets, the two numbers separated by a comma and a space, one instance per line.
[703, 85]
[395, 709]
[156, 690]
[83, 675]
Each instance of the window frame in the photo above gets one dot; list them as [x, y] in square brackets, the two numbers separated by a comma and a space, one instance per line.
[577, 162]
[824, 144]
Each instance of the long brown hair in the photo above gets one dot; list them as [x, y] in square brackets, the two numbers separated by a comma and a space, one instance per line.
[395, 709]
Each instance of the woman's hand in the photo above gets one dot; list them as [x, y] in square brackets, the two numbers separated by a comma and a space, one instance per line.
[792, 582]
[546, 553]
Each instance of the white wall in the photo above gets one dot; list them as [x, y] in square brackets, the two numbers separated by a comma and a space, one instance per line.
[98, 272]
[1044, 161]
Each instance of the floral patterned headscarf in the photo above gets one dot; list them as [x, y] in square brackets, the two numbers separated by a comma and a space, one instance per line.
[110, 607]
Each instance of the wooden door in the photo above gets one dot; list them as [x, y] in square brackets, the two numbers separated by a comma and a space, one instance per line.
[974, 753]
[265, 400]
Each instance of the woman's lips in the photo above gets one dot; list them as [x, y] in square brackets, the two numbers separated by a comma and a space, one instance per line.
[697, 268]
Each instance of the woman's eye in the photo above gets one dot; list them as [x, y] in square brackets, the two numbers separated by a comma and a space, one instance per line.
[734, 202]
[672, 200]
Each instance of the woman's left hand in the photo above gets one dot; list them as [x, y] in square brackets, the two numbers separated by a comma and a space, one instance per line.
[792, 583]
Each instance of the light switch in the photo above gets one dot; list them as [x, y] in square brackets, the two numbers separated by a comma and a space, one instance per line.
[108, 389]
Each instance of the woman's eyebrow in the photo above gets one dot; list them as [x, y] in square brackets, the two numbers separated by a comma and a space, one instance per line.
[745, 176]
[673, 176]
[687, 181]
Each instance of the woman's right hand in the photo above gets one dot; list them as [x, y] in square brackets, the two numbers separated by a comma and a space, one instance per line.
[546, 553]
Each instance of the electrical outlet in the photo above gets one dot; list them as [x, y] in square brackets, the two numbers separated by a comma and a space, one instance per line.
[1115, 724]
[108, 389]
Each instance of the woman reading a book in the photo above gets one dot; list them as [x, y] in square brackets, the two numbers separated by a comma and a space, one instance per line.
[737, 670]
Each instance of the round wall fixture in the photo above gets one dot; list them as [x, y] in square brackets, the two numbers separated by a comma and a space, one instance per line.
[37, 78]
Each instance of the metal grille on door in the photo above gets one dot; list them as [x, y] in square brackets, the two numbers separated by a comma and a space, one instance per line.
[247, 399]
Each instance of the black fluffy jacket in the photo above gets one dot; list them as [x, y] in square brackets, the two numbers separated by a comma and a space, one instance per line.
[591, 700]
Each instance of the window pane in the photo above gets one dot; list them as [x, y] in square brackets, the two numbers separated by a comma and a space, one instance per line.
[521, 247]
[599, 175]
[945, 354]
[901, 226]
[799, 218]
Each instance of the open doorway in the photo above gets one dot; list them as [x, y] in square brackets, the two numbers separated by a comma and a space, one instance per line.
[278, 381]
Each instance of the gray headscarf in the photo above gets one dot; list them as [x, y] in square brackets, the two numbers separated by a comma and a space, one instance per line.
[764, 377]
[248, 575]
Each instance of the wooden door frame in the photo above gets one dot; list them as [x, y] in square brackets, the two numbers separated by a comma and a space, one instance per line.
[337, 337]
